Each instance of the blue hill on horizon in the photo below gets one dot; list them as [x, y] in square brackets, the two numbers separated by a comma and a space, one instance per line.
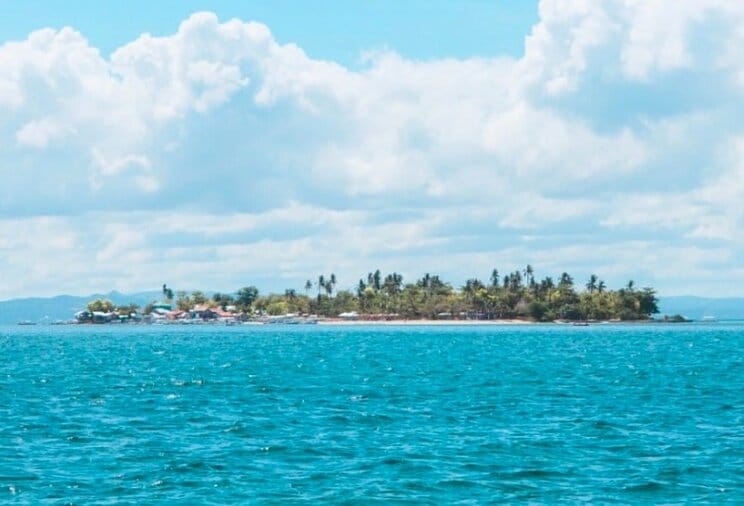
[63, 307]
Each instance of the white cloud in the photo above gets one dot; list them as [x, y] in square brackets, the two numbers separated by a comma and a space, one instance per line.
[220, 132]
[631, 39]
[39, 133]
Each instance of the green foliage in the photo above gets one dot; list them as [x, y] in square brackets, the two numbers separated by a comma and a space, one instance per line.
[246, 296]
[184, 302]
[127, 309]
[279, 307]
[101, 305]
[517, 294]
[678, 318]
[537, 310]
[222, 300]
[199, 298]
[514, 295]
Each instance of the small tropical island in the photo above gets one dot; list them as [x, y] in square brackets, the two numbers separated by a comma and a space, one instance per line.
[516, 297]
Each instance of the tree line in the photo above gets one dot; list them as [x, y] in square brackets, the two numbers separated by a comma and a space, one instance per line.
[517, 294]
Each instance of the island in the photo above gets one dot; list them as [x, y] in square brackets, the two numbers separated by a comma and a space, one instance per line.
[515, 297]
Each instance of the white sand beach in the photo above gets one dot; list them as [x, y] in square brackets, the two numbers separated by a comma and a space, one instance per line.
[412, 323]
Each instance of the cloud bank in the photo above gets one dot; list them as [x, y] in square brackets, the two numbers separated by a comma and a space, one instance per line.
[218, 156]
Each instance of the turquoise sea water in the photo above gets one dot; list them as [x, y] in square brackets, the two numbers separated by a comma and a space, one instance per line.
[542, 414]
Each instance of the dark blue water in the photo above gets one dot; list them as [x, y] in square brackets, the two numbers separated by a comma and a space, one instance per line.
[627, 414]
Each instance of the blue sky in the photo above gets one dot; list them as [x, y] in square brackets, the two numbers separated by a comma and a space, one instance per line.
[326, 29]
[218, 144]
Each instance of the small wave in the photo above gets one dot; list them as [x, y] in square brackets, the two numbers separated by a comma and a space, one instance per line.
[393, 461]
[649, 486]
[19, 478]
[532, 473]
[457, 483]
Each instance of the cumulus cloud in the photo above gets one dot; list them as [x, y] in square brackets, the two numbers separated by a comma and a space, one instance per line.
[614, 125]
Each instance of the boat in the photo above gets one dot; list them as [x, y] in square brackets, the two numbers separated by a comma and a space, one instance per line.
[26, 322]
[709, 319]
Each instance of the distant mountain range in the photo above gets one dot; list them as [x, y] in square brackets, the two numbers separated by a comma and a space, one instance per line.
[63, 307]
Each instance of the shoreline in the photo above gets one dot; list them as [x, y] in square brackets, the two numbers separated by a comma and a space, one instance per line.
[338, 322]
[421, 323]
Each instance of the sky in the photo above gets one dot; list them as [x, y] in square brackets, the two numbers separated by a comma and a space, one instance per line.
[213, 145]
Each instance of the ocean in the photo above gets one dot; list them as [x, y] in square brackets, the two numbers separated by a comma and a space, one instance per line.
[372, 415]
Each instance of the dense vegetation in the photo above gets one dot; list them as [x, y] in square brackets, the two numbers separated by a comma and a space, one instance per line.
[518, 294]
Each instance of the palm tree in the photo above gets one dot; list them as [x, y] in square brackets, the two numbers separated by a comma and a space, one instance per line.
[529, 275]
[566, 280]
[545, 286]
[591, 285]
[308, 286]
[495, 278]
[329, 288]
[321, 284]
[398, 280]
[377, 278]
[392, 283]
[601, 286]
[515, 281]
[332, 283]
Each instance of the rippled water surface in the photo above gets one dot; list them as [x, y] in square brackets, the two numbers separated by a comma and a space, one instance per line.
[391, 415]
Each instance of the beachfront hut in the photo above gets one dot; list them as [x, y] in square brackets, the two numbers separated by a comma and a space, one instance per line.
[204, 312]
[101, 317]
[83, 316]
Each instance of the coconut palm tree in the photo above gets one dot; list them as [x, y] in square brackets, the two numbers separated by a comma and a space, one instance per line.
[529, 275]
[377, 278]
[321, 284]
[495, 278]
[332, 283]
[329, 288]
[566, 281]
[393, 283]
[591, 285]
